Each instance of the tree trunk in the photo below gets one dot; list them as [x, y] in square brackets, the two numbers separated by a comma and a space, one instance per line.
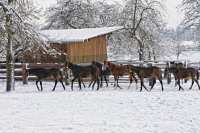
[149, 55]
[9, 56]
[141, 49]
[141, 53]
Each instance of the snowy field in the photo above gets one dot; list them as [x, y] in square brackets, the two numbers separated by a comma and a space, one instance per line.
[110, 110]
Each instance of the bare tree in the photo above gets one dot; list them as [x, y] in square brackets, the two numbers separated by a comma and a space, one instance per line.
[139, 16]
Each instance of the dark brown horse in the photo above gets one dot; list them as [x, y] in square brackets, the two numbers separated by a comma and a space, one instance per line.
[42, 74]
[104, 73]
[119, 70]
[81, 71]
[183, 73]
[173, 64]
[151, 72]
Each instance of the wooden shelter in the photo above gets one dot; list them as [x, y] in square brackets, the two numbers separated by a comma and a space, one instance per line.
[81, 45]
[75, 45]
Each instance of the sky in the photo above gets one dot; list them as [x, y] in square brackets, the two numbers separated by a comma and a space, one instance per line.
[172, 15]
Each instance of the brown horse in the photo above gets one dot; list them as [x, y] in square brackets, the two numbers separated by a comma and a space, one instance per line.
[148, 72]
[81, 71]
[119, 70]
[183, 73]
[177, 65]
[42, 74]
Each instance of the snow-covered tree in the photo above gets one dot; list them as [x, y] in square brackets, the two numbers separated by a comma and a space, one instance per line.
[81, 14]
[191, 21]
[191, 9]
[70, 14]
[141, 18]
[107, 14]
[143, 21]
[17, 33]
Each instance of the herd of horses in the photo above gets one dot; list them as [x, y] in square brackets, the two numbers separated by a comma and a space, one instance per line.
[99, 72]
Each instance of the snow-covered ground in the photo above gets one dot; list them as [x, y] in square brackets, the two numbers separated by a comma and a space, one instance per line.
[107, 111]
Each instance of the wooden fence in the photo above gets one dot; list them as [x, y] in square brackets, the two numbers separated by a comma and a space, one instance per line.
[21, 67]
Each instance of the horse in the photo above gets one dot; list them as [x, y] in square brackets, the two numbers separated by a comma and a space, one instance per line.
[80, 71]
[151, 72]
[104, 72]
[177, 65]
[119, 70]
[183, 73]
[43, 73]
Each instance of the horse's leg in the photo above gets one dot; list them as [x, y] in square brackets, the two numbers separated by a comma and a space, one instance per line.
[90, 84]
[83, 83]
[160, 80]
[154, 82]
[197, 83]
[136, 82]
[161, 84]
[130, 81]
[118, 83]
[79, 82]
[141, 84]
[98, 84]
[129, 85]
[106, 81]
[55, 85]
[191, 84]
[101, 82]
[73, 83]
[180, 88]
[41, 85]
[115, 84]
[115, 78]
[144, 85]
[62, 84]
[176, 82]
[94, 82]
[37, 85]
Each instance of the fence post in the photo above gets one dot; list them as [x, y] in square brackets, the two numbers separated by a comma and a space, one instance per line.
[24, 75]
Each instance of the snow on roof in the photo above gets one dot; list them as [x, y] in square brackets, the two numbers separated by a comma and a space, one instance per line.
[76, 35]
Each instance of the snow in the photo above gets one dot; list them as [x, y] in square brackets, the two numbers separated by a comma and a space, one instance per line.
[76, 35]
[189, 56]
[188, 43]
[109, 110]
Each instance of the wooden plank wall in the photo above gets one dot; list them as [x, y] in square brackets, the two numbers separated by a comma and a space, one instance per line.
[92, 49]
[80, 52]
